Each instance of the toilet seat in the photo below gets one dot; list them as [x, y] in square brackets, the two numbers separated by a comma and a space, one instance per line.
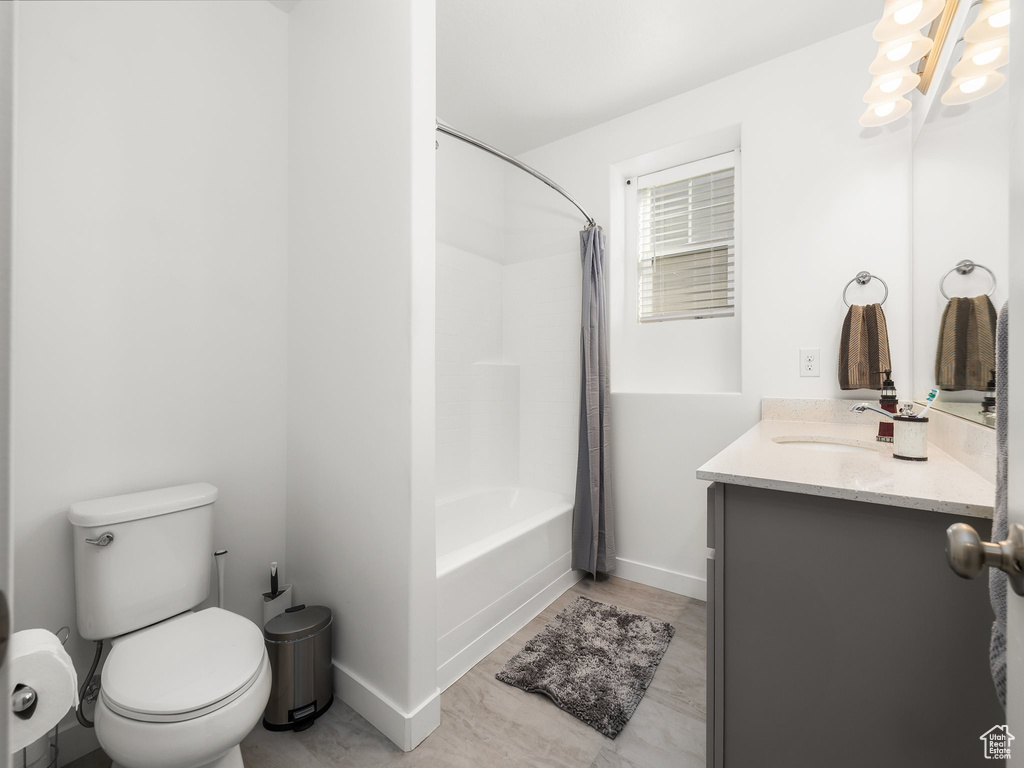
[184, 668]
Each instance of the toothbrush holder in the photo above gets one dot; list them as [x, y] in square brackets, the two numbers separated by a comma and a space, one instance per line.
[910, 438]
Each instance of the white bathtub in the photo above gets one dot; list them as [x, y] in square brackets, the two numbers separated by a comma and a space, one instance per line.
[502, 557]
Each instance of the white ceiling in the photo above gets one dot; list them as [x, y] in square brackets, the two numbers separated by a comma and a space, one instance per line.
[522, 73]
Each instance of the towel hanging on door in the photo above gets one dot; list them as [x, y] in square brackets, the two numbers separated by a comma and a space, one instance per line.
[966, 358]
[864, 348]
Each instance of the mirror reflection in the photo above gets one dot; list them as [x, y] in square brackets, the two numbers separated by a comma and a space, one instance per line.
[961, 250]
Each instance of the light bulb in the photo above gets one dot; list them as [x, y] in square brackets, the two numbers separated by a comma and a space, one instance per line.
[999, 20]
[890, 85]
[908, 14]
[987, 57]
[885, 113]
[964, 90]
[974, 84]
[899, 52]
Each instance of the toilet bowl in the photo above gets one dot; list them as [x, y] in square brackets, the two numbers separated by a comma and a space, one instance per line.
[183, 693]
[179, 689]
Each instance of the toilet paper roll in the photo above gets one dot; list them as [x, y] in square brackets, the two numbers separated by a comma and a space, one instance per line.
[39, 661]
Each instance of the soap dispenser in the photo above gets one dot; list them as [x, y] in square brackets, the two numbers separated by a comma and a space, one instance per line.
[889, 402]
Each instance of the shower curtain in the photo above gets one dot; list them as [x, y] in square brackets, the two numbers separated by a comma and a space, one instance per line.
[593, 535]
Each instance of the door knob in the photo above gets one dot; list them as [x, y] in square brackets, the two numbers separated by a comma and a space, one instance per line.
[968, 554]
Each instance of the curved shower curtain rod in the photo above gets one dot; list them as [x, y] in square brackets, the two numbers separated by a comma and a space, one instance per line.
[455, 134]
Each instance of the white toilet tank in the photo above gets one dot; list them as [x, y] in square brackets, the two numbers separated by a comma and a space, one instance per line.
[142, 557]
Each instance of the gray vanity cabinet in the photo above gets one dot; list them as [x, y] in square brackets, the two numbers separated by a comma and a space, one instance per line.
[838, 636]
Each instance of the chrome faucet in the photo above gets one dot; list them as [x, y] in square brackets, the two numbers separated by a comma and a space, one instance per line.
[861, 407]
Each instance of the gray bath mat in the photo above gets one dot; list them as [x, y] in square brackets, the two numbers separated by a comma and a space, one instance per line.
[593, 660]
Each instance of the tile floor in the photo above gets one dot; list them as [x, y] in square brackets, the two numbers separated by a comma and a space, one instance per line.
[485, 723]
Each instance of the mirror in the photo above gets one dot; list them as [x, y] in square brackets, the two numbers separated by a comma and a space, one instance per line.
[960, 240]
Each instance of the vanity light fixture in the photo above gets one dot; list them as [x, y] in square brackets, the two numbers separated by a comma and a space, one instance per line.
[885, 112]
[992, 22]
[987, 49]
[902, 17]
[901, 45]
[892, 85]
[900, 53]
[979, 58]
[964, 90]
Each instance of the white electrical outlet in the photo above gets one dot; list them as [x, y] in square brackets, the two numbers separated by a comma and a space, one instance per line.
[809, 362]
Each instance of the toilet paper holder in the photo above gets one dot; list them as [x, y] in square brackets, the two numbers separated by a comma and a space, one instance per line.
[23, 701]
[24, 697]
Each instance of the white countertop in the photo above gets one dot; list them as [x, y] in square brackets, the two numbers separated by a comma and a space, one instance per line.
[941, 484]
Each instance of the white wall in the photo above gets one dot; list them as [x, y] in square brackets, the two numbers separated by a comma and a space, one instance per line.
[150, 259]
[361, 357]
[961, 211]
[821, 199]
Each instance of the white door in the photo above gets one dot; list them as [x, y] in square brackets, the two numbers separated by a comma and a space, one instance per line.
[1015, 610]
[7, 11]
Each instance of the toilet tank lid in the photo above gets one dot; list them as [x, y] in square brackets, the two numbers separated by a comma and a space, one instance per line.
[137, 506]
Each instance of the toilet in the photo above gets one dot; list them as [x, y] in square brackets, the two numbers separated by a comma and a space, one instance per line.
[180, 688]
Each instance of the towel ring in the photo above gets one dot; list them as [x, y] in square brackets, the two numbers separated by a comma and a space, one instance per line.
[965, 267]
[863, 278]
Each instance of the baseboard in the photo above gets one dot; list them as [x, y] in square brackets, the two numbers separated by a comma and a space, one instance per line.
[473, 653]
[662, 578]
[75, 741]
[405, 729]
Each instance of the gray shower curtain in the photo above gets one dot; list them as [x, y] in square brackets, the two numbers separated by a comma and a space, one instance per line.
[593, 534]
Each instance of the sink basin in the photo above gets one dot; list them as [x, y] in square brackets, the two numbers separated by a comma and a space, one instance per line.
[829, 444]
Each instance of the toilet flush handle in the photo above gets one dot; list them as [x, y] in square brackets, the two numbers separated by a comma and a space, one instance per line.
[102, 540]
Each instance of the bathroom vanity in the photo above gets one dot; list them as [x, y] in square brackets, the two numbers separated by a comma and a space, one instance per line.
[837, 634]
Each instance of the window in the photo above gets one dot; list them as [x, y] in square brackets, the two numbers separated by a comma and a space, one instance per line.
[687, 244]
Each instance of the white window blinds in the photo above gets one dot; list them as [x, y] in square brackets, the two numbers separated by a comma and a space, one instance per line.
[687, 244]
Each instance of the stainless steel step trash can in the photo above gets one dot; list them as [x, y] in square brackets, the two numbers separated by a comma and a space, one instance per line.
[299, 645]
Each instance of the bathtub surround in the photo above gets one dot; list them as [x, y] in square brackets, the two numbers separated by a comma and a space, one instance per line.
[593, 525]
[593, 660]
[507, 347]
[507, 389]
[360, 527]
[478, 391]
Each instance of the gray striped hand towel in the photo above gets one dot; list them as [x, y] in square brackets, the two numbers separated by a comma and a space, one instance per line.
[966, 358]
[864, 348]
